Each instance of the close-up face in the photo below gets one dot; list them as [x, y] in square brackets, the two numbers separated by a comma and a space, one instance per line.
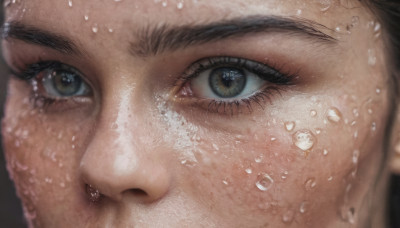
[197, 113]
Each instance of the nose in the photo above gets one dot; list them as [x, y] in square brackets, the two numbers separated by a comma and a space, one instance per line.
[118, 162]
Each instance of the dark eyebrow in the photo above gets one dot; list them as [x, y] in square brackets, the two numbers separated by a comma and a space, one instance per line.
[37, 36]
[153, 41]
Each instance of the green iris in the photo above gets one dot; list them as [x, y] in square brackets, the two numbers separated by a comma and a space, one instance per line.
[66, 83]
[227, 82]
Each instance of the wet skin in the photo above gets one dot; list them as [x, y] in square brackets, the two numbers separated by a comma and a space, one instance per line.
[164, 151]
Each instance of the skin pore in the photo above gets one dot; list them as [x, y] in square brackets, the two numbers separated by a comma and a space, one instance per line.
[303, 148]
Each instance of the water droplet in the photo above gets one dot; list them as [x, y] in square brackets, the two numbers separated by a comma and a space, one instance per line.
[378, 90]
[373, 126]
[225, 182]
[288, 216]
[179, 5]
[284, 175]
[356, 155]
[86, 17]
[303, 207]
[313, 113]
[325, 5]
[248, 171]
[325, 152]
[299, 12]
[48, 180]
[164, 3]
[73, 138]
[264, 182]
[330, 178]
[333, 115]
[273, 139]
[310, 184]
[370, 111]
[304, 139]
[289, 126]
[95, 29]
[318, 131]
[215, 146]
[355, 20]
[62, 185]
[117, 0]
[258, 159]
[110, 30]
[70, 3]
[371, 57]
[348, 214]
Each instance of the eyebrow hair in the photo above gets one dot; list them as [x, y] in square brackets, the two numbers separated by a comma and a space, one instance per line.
[153, 41]
[38, 36]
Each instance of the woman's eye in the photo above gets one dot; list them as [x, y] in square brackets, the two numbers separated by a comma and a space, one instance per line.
[61, 83]
[226, 83]
[223, 81]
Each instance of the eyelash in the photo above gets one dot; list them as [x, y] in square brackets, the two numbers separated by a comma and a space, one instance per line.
[272, 74]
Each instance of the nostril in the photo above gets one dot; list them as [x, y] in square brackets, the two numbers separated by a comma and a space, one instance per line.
[138, 192]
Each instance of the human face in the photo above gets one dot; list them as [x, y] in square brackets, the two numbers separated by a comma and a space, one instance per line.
[133, 101]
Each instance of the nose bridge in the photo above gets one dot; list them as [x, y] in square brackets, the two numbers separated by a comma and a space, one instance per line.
[115, 162]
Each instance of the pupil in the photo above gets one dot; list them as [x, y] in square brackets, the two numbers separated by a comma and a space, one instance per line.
[66, 83]
[227, 82]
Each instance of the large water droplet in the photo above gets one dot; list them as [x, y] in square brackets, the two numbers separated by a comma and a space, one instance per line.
[264, 182]
[333, 115]
[289, 126]
[304, 139]
[70, 3]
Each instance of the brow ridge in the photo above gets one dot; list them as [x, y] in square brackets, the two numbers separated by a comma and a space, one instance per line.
[33, 35]
[156, 40]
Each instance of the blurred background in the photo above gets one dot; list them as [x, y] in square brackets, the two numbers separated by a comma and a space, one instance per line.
[10, 209]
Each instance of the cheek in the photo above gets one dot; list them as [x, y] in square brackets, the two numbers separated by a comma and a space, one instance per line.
[294, 166]
[42, 154]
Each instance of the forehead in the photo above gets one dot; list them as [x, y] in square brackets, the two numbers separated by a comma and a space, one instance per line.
[123, 12]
